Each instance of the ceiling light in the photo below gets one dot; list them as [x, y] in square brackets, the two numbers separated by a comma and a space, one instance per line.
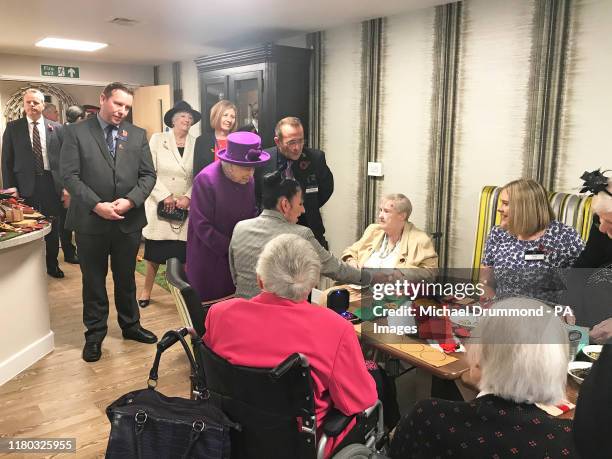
[74, 45]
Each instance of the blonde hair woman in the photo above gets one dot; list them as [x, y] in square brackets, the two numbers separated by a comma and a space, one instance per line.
[522, 253]
[222, 123]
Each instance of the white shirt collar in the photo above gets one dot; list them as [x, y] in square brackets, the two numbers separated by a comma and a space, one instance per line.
[40, 120]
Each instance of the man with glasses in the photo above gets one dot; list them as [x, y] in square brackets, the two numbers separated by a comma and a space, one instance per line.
[307, 166]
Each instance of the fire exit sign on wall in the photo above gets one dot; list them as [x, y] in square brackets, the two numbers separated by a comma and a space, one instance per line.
[62, 71]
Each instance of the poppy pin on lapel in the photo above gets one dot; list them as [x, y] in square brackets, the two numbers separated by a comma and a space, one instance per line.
[123, 136]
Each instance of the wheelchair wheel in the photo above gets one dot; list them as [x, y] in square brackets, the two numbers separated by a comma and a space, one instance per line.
[355, 451]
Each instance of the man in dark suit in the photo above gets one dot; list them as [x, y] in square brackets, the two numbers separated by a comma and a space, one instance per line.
[30, 156]
[307, 166]
[74, 114]
[107, 168]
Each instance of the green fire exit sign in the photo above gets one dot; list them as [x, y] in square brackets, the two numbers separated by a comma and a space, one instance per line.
[62, 71]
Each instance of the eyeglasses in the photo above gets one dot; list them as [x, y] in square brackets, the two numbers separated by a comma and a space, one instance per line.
[295, 142]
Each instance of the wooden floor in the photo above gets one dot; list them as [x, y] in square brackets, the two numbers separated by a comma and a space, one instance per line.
[63, 396]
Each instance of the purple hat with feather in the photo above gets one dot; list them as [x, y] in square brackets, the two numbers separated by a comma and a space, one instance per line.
[243, 149]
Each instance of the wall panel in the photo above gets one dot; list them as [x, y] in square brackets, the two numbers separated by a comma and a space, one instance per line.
[341, 89]
[585, 141]
[405, 125]
[493, 94]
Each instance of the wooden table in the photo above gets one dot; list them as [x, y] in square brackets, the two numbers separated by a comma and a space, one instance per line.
[450, 371]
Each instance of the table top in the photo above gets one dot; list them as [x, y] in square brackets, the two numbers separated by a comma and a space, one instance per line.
[388, 343]
[450, 371]
[25, 238]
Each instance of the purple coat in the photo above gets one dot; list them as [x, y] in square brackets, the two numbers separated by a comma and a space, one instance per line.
[217, 204]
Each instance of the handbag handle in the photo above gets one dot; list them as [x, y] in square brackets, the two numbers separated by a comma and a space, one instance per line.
[169, 338]
[139, 423]
[177, 228]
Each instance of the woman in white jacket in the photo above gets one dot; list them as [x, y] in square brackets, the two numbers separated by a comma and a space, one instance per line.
[172, 154]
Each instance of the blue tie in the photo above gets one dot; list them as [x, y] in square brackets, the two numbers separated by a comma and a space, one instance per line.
[109, 140]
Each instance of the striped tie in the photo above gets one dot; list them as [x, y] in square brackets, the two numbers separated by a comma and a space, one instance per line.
[110, 141]
[289, 170]
[37, 149]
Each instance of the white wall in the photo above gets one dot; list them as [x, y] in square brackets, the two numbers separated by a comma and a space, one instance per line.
[585, 143]
[405, 134]
[27, 68]
[341, 121]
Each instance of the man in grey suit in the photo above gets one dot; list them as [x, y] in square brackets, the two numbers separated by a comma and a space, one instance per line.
[283, 204]
[107, 169]
[30, 156]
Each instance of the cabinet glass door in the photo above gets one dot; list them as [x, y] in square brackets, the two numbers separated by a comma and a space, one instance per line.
[246, 92]
[213, 90]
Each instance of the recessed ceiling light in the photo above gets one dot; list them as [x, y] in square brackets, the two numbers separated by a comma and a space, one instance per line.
[74, 45]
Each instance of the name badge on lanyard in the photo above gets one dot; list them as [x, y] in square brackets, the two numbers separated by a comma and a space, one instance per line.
[534, 255]
[312, 189]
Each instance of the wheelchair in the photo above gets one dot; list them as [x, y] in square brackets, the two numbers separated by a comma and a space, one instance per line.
[275, 407]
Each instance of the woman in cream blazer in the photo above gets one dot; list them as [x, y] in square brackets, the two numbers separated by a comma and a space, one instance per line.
[395, 244]
[172, 154]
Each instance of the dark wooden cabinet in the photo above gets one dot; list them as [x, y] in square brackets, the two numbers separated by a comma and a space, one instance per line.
[268, 83]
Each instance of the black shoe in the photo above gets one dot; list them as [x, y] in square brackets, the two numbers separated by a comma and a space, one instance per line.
[144, 303]
[74, 260]
[137, 333]
[92, 351]
[56, 272]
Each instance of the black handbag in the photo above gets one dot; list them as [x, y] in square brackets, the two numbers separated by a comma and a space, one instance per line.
[148, 424]
[177, 215]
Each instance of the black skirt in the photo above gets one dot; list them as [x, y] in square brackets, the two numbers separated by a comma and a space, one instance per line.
[160, 251]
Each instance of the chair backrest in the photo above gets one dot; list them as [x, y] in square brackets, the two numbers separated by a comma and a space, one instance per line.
[275, 407]
[571, 209]
[187, 300]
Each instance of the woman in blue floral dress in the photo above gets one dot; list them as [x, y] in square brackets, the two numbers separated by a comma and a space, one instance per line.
[525, 254]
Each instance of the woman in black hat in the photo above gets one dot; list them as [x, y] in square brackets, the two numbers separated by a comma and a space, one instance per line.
[172, 153]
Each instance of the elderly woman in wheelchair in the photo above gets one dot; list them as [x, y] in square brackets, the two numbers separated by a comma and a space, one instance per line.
[276, 326]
